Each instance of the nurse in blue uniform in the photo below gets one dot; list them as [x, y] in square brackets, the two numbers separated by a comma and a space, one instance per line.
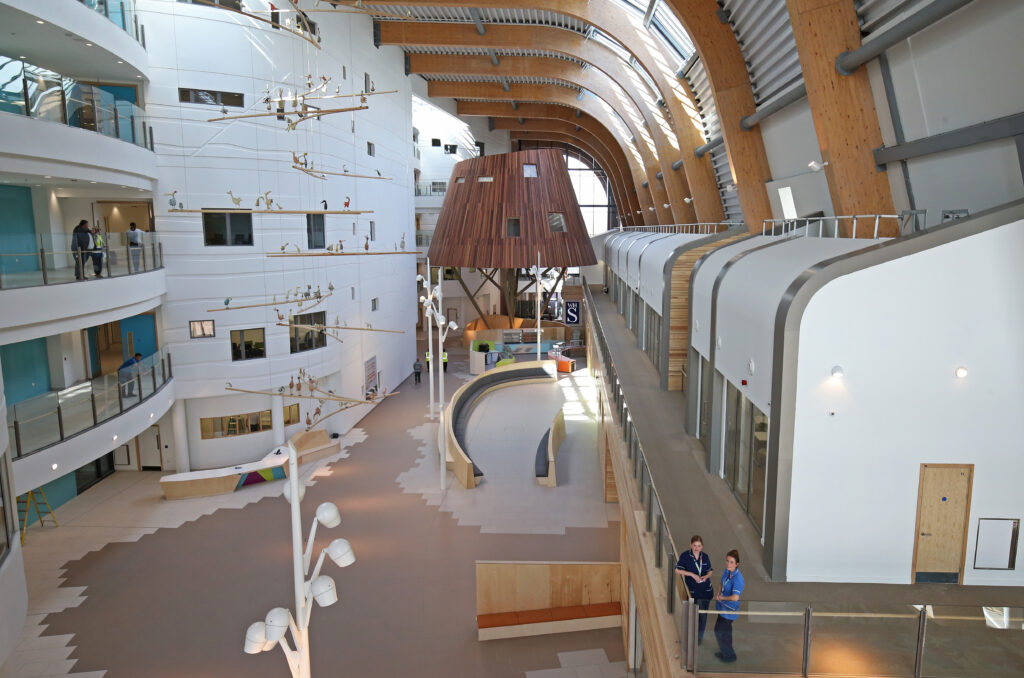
[695, 566]
[728, 601]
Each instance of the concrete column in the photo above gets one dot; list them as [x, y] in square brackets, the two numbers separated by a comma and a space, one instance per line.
[277, 419]
[181, 460]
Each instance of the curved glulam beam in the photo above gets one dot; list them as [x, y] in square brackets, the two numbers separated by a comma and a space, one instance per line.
[584, 140]
[509, 36]
[627, 28]
[593, 79]
[843, 108]
[730, 84]
[499, 110]
[641, 163]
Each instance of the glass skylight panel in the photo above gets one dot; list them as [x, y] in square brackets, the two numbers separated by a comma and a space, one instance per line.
[667, 27]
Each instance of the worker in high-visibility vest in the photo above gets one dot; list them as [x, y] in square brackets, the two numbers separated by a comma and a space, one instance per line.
[426, 358]
[444, 360]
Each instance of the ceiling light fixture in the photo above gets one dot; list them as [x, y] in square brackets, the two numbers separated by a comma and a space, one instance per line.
[960, 372]
[88, 44]
[817, 166]
[837, 372]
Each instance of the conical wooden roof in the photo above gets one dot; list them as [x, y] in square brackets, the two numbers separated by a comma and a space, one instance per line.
[476, 227]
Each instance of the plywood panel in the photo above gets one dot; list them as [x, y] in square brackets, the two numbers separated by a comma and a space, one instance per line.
[512, 586]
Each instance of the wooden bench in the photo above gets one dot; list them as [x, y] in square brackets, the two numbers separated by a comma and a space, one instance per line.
[550, 620]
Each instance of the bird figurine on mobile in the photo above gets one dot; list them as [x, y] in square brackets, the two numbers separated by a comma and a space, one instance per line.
[237, 201]
[173, 201]
[324, 203]
[227, 301]
[366, 245]
[348, 201]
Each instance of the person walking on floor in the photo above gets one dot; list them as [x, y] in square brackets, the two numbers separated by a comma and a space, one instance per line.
[417, 370]
[134, 236]
[695, 566]
[126, 375]
[728, 601]
[81, 243]
[444, 360]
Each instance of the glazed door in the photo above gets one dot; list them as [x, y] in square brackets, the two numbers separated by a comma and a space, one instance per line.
[943, 504]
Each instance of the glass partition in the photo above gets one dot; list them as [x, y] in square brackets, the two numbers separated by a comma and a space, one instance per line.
[12, 87]
[764, 637]
[6, 530]
[48, 259]
[850, 640]
[976, 642]
[44, 93]
[49, 418]
[121, 13]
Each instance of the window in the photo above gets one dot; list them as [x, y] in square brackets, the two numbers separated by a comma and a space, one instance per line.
[529, 170]
[353, 291]
[201, 329]
[315, 231]
[211, 97]
[302, 335]
[512, 227]
[227, 228]
[479, 148]
[373, 231]
[238, 424]
[435, 142]
[451, 149]
[370, 149]
[485, 180]
[230, 4]
[291, 414]
[556, 222]
[438, 187]
[247, 344]
[374, 303]
[5, 504]
[460, 180]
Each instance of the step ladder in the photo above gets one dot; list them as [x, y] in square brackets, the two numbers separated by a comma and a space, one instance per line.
[42, 506]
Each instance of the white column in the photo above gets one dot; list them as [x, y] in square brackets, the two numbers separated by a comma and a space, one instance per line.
[181, 460]
[277, 419]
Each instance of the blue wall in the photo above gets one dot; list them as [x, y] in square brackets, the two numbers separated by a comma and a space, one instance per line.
[58, 492]
[143, 329]
[26, 369]
[17, 230]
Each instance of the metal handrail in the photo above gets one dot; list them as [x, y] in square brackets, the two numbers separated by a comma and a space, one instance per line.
[698, 228]
[785, 226]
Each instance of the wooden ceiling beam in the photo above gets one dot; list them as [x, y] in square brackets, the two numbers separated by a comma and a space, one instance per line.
[843, 109]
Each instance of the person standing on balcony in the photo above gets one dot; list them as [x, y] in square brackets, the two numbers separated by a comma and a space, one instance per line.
[695, 566]
[81, 243]
[444, 360]
[97, 252]
[728, 602]
[134, 236]
[126, 375]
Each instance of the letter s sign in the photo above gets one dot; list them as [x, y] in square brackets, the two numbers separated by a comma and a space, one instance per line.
[572, 313]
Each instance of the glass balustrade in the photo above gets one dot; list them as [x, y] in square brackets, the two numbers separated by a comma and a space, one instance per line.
[52, 417]
[48, 259]
[121, 12]
[30, 90]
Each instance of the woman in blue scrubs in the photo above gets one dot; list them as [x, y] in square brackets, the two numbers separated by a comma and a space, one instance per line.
[728, 601]
[695, 566]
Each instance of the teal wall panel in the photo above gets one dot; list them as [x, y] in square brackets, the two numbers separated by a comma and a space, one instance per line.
[26, 369]
[17, 231]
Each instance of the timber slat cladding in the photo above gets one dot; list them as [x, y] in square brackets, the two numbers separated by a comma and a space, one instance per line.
[471, 228]
[679, 300]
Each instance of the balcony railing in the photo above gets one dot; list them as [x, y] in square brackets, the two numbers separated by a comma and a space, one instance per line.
[47, 259]
[30, 90]
[423, 238]
[432, 188]
[53, 417]
[122, 13]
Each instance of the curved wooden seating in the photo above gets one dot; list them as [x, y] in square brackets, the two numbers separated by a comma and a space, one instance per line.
[547, 451]
[456, 415]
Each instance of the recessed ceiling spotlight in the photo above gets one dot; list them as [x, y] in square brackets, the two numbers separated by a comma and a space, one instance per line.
[47, 177]
[960, 372]
[88, 44]
[22, 57]
[138, 76]
[837, 372]
[120, 62]
[40, 21]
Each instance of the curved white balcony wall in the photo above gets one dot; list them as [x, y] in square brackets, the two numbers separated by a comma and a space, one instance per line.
[47, 310]
[42, 147]
[37, 468]
[13, 600]
[73, 39]
[203, 160]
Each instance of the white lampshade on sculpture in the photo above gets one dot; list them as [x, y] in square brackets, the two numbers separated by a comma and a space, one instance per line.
[327, 514]
[277, 624]
[325, 592]
[340, 551]
[288, 492]
[256, 638]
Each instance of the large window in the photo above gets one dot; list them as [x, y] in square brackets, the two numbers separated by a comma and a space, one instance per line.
[227, 228]
[5, 505]
[302, 335]
[243, 424]
[201, 329]
[315, 231]
[211, 97]
[746, 453]
[248, 344]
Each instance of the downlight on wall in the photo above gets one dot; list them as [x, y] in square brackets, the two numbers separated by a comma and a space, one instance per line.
[837, 372]
[960, 372]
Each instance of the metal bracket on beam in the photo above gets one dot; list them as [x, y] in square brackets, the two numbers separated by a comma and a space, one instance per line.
[408, 64]
[701, 151]
[579, 96]
[521, 121]
[504, 85]
[677, 164]
[515, 106]
[659, 176]
[474, 14]
[490, 123]
[494, 57]
[579, 113]
[645, 184]
[649, 14]
[847, 63]
[376, 34]
[577, 128]
[775, 105]
[723, 15]
[684, 69]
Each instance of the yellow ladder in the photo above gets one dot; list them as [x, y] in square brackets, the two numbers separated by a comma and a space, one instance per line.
[29, 500]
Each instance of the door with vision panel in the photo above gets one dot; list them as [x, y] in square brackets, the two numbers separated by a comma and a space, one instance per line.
[943, 506]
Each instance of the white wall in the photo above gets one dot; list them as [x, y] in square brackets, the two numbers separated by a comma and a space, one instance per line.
[855, 474]
[961, 71]
[203, 160]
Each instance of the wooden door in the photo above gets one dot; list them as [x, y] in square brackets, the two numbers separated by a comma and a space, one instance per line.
[943, 505]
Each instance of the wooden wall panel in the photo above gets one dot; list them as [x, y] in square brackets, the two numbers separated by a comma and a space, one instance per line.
[515, 586]
[471, 231]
